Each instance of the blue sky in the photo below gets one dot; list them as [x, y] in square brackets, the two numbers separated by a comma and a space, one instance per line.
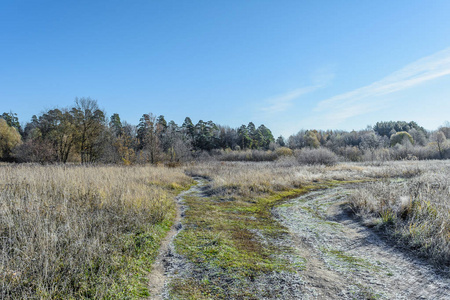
[286, 64]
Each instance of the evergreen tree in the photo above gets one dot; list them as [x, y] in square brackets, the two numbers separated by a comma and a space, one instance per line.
[245, 140]
[311, 139]
[280, 141]
[188, 127]
[265, 137]
[253, 134]
[115, 124]
[148, 133]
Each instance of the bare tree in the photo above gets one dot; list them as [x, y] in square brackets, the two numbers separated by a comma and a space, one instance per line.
[441, 141]
[371, 142]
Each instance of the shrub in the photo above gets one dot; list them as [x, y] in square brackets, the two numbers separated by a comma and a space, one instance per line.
[321, 156]
[350, 153]
[248, 155]
[401, 137]
[36, 151]
[284, 151]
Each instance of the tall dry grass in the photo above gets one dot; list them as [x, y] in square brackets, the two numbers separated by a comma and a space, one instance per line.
[253, 179]
[408, 200]
[82, 232]
[415, 212]
[91, 232]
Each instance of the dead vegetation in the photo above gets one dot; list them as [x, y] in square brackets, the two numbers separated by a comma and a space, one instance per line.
[261, 179]
[82, 232]
[93, 232]
[231, 237]
[415, 212]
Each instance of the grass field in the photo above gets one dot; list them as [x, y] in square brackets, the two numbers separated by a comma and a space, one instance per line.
[70, 232]
[414, 212]
[230, 234]
[82, 232]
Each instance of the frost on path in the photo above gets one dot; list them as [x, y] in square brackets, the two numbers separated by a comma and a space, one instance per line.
[345, 260]
[342, 259]
[167, 260]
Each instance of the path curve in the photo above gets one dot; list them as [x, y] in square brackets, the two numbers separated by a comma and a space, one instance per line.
[346, 260]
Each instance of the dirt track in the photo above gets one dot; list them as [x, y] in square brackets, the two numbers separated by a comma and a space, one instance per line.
[342, 258]
[345, 260]
[158, 278]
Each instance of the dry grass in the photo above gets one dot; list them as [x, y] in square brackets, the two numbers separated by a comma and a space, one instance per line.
[415, 211]
[246, 179]
[229, 233]
[82, 232]
[231, 236]
[92, 232]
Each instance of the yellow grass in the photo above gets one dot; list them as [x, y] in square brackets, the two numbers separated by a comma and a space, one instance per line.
[82, 232]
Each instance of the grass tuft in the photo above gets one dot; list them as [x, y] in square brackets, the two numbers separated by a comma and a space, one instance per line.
[414, 211]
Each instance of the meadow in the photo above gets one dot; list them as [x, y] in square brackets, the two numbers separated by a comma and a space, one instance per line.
[414, 212]
[231, 236]
[93, 231]
[72, 232]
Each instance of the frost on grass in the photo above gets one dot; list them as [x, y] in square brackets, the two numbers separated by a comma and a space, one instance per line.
[82, 232]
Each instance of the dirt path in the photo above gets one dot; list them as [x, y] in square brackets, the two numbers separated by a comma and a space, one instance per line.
[341, 258]
[345, 260]
[158, 276]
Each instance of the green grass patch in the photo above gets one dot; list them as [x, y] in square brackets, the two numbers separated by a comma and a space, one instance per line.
[139, 251]
[235, 241]
[232, 241]
[349, 260]
[365, 292]
[133, 259]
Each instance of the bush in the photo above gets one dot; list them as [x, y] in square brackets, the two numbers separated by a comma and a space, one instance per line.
[9, 139]
[248, 155]
[321, 156]
[350, 153]
[400, 138]
[36, 151]
[284, 151]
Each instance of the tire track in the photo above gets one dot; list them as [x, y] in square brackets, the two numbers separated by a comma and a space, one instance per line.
[346, 260]
[159, 275]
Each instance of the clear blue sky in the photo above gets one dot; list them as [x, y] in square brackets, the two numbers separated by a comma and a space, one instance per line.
[286, 64]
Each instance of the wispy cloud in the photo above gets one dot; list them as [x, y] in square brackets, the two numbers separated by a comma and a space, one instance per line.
[320, 78]
[324, 75]
[358, 101]
[282, 102]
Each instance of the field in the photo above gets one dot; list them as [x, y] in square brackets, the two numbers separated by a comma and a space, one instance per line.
[82, 232]
[415, 212]
[247, 230]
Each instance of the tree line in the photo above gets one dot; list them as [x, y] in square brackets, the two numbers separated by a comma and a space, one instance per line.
[83, 133]
[392, 140]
